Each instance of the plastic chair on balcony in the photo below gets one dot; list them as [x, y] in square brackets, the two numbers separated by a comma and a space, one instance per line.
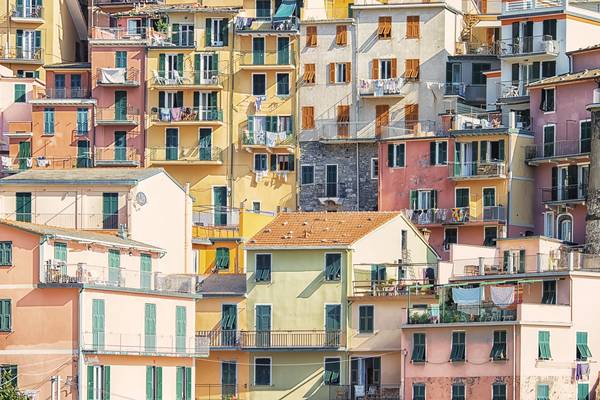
[157, 78]
[178, 78]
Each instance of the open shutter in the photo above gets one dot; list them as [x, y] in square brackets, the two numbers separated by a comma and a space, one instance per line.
[394, 68]
[38, 40]
[179, 383]
[208, 32]
[332, 73]
[215, 63]
[348, 72]
[158, 383]
[161, 65]
[90, 382]
[180, 64]
[273, 162]
[413, 199]
[375, 68]
[501, 149]
[434, 199]
[19, 39]
[554, 188]
[149, 384]
[188, 383]
[175, 36]
[432, 153]
[107, 382]
[225, 31]
[390, 155]
[400, 156]
[179, 99]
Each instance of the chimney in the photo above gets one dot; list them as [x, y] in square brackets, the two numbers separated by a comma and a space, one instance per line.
[592, 219]
[426, 234]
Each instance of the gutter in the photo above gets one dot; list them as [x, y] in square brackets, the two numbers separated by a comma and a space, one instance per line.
[230, 116]
[80, 348]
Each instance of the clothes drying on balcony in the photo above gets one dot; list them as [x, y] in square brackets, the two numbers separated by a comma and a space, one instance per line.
[112, 75]
[502, 295]
[467, 296]
[42, 162]
[242, 23]
[582, 371]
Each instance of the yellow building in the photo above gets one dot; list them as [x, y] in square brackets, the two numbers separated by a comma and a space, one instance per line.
[35, 33]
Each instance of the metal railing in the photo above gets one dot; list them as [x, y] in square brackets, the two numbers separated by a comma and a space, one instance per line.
[456, 215]
[20, 53]
[27, 12]
[530, 5]
[332, 130]
[186, 77]
[84, 221]
[270, 58]
[388, 287]
[384, 87]
[221, 338]
[171, 39]
[221, 391]
[290, 339]
[112, 115]
[476, 48]
[117, 76]
[477, 169]
[118, 34]
[519, 46]
[559, 148]
[576, 192]
[216, 216]
[448, 314]
[188, 154]
[176, 114]
[139, 343]
[61, 93]
[121, 2]
[114, 155]
[371, 392]
[266, 24]
[490, 120]
[269, 139]
[512, 89]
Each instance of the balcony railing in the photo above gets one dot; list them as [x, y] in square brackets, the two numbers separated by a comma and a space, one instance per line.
[122, 2]
[512, 89]
[117, 116]
[483, 120]
[185, 154]
[389, 287]
[33, 12]
[476, 48]
[448, 314]
[567, 193]
[267, 58]
[118, 76]
[275, 339]
[268, 139]
[141, 344]
[172, 39]
[520, 46]
[60, 273]
[216, 216]
[84, 221]
[222, 391]
[559, 148]
[61, 93]
[116, 156]
[518, 6]
[478, 169]
[20, 53]
[384, 87]
[186, 78]
[371, 392]
[186, 114]
[344, 131]
[266, 24]
[100, 33]
[457, 215]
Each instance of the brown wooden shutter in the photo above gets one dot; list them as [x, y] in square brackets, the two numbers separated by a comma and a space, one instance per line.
[311, 36]
[341, 35]
[411, 70]
[394, 69]
[411, 116]
[309, 74]
[384, 29]
[375, 68]
[412, 27]
[382, 118]
[308, 117]
[348, 72]
[332, 72]
[343, 117]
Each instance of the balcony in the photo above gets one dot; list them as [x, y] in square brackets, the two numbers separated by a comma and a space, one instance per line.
[532, 47]
[372, 392]
[529, 6]
[187, 78]
[130, 3]
[488, 122]
[83, 221]
[112, 343]
[171, 40]
[477, 170]
[331, 193]
[457, 215]
[107, 35]
[21, 55]
[289, 25]
[389, 279]
[185, 155]
[568, 194]
[222, 391]
[268, 60]
[186, 115]
[454, 314]
[559, 151]
[27, 14]
[111, 116]
[513, 91]
[263, 139]
[379, 88]
[215, 216]
[274, 339]
[116, 157]
[476, 48]
[117, 77]
[59, 273]
[64, 96]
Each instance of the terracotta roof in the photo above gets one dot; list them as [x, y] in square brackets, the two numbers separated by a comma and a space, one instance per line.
[79, 235]
[566, 78]
[584, 49]
[319, 229]
[153, 9]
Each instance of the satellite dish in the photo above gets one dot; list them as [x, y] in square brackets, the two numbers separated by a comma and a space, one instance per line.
[141, 199]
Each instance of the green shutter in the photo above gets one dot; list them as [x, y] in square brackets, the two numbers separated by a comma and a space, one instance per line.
[522, 261]
[583, 351]
[149, 384]
[107, 382]
[150, 327]
[501, 149]
[400, 149]
[175, 34]
[434, 199]
[146, 271]
[158, 383]
[222, 260]
[543, 392]
[90, 382]
[458, 346]
[432, 153]
[180, 328]
[121, 59]
[19, 93]
[583, 391]
[215, 63]
[5, 253]
[5, 315]
[188, 383]
[60, 251]
[544, 345]
[390, 155]
[483, 150]
[197, 70]
[161, 66]
[38, 40]
[419, 348]
[23, 206]
[225, 31]
[208, 32]
[98, 324]
[180, 67]
[19, 39]
[114, 267]
[179, 383]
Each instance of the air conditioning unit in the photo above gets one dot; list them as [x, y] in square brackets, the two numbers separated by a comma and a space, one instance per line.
[549, 46]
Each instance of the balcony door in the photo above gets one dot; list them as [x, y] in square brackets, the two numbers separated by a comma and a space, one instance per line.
[83, 154]
[27, 44]
[333, 324]
[120, 145]
[228, 324]
[228, 379]
[331, 178]
[172, 65]
[120, 105]
[263, 326]
[171, 144]
[365, 374]
[258, 51]
[205, 144]
[110, 210]
[59, 86]
[465, 159]
[76, 91]
[220, 205]
[205, 68]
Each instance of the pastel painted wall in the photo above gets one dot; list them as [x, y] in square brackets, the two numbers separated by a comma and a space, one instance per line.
[11, 111]
[209, 374]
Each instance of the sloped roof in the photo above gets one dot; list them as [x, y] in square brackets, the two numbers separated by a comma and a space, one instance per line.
[319, 229]
[566, 78]
[153, 9]
[79, 235]
[584, 49]
[223, 284]
[81, 176]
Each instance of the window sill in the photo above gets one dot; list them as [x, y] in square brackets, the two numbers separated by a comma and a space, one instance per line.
[263, 282]
[458, 361]
[499, 359]
[8, 331]
[418, 362]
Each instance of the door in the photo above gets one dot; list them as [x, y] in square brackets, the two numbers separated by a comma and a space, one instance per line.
[23, 207]
[228, 379]
[120, 146]
[171, 144]
[114, 267]
[490, 212]
[150, 327]
[527, 37]
[258, 51]
[563, 183]
[228, 325]
[283, 51]
[171, 67]
[549, 141]
[24, 155]
[263, 326]
[59, 86]
[120, 105]
[333, 324]
[146, 271]
[180, 328]
[205, 150]
[220, 205]
[110, 210]
[98, 324]
[382, 118]
[28, 46]
[83, 154]
[76, 91]
[585, 137]
[331, 189]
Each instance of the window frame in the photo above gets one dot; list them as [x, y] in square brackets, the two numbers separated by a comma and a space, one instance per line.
[549, 296]
[372, 319]
[341, 69]
[414, 346]
[266, 159]
[9, 262]
[20, 97]
[270, 270]
[395, 163]
[581, 122]
[270, 371]
[332, 360]
[419, 384]
[338, 276]
[485, 229]
[302, 174]
[8, 328]
[544, 346]
[277, 92]
[499, 345]
[454, 347]
[384, 22]
[446, 244]
[551, 226]
[544, 100]
[374, 168]
[458, 396]
[264, 75]
[496, 385]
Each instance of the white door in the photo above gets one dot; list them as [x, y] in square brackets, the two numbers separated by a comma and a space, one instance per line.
[170, 66]
[28, 44]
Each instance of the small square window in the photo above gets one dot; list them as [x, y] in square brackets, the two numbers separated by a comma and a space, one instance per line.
[374, 168]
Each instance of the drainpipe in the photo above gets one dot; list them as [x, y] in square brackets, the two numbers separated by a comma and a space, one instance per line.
[230, 115]
[188, 230]
[296, 124]
[80, 348]
[357, 181]
[509, 184]
[514, 368]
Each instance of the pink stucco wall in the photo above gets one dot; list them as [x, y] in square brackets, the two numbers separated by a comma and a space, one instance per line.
[586, 60]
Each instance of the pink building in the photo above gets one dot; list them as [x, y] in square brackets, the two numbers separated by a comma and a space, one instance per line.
[562, 147]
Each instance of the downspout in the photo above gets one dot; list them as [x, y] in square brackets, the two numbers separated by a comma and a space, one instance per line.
[188, 230]
[509, 184]
[230, 116]
[145, 102]
[296, 125]
[80, 349]
[357, 180]
[514, 368]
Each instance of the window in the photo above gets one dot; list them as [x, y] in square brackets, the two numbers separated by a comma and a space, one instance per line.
[490, 150]
[499, 347]
[5, 253]
[341, 35]
[419, 348]
[339, 72]
[478, 76]
[183, 385]
[547, 103]
[565, 227]
[404, 240]
[282, 162]
[146, 270]
[462, 198]
[418, 391]
[544, 345]
[110, 210]
[49, 121]
[438, 153]
[411, 68]
[217, 32]
[263, 9]
[542, 392]
[548, 69]
[499, 391]
[222, 259]
[309, 74]
[20, 93]
[490, 234]
[333, 266]
[549, 224]
[549, 292]
[450, 237]
[458, 347]
[582, 349]
[411, 114]
[153, 383]
[256, 206]
[308, 117]
[549, 29]
[259, 84]
[307, 173]
[384, 28]
[412, 27]
[489, 200]
[385, 69]
[82, 121]
[23, 206]
[260, 162]
[262, 371]
[120, 59]
[9, 375]
[458, 391]
[365, 319]
[5, 315]
[331, 375]
[585, 136]
[283, 84]
[549, 131]
[396, 155]
[98, 383]
[263, 268]
[583, 391]
[374, 168]
[423, 199]
[311, 36]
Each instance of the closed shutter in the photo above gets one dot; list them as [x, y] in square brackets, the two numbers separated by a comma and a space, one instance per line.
[5, 253]
[180, 372]
[19, 93]
[394, 68]
[208, 33]
[176, 34]
[60, 251]
[90, 382]
[180, 328]
[375, 68]
[332, 73]
[121, 59]
[150, 327]
[5, 315]
[411, 114]
[390, 155]
[225, 31]
[348, 76]
[106, 387]
[341, 35]
[188, 383]
[308, 121]
[146, 271]
[311, 36]
[382, 116]
[412, 27]
[309, 73]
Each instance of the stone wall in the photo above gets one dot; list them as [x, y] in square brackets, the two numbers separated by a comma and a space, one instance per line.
[592, 226]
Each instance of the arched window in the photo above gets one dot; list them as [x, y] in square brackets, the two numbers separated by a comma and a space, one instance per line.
[565, 228]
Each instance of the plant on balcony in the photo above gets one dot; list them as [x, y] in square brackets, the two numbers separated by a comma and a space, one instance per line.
[420, 317]
[161, 26]
[8, 390]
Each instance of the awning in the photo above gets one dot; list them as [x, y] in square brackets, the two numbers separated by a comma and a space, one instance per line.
[285, 10]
